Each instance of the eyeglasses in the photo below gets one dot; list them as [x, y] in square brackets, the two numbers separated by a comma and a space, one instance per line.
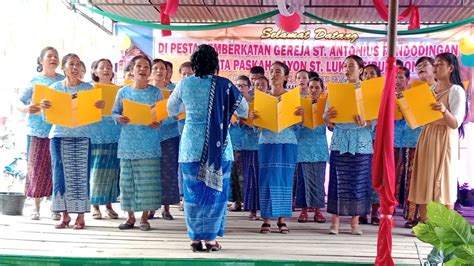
[241, 85]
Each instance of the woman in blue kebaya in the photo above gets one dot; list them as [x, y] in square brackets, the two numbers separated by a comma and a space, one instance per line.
[277, 154]
[39, 181]
[313, 155]
[70, 152]
[249, 155]
[205, 152]
[405, 140]
[350, 161]
[105, 166]
[139, 149]
[169, 145]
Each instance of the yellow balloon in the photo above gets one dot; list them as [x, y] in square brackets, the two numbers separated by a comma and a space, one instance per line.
[124, 41]
[466, 45]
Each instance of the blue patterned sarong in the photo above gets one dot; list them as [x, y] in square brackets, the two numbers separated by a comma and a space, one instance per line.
[105, 172]
[204, 207]
[70, 167]
[277, 166]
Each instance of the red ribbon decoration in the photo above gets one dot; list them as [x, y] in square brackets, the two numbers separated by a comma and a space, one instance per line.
[383, 166]
[171, 7]
[412, 11]
[165, 20]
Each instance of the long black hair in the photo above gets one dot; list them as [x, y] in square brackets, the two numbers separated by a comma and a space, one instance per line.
[205, 61]
[455, 78]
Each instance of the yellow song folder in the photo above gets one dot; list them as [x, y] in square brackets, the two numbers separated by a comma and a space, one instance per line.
[247, 121]
[39, 93]
[313, 112]
[139, 113]
[161, 110]
[416, 106]
[274, 115]
[362, 98]
[166, 93]
[73, 110]
[109, 92]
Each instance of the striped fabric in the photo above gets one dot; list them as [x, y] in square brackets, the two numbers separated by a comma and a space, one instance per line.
[169, 171]
[349, 184]
[403, 169]
[310, 188]
[250, 169]
[140, 185]
[204, 208]
[39, 179]
[276, 169]
[105, 172]
[71, 168]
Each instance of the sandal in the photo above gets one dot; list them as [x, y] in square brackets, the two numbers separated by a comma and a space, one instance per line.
[126, 225]
[410, 224]
[55, 216]
[363, 219]
[253, 216]
[111, 214]
[35, 215]
[374, 220]
[96, 214]
[282, 228]
[62, 224]
[265, 229]
[303, 218]
[79, 226]
[145, 226]
[319, 218]
[356, 230]
[151, 215]
[213, 247]
[167, 216]
[197, 246]
[334, 229]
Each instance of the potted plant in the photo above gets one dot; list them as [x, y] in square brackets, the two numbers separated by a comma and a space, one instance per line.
[11, 203]
[450, 234]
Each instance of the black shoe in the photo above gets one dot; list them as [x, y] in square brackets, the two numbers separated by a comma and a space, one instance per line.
[213, 247]
[363, 219]
[197, 246]
[151, 215]
[167, 216]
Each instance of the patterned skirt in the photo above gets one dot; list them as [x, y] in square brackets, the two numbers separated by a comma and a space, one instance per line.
[310, 187]
[105, 173]
[236, 178]
[140, 185]
[204, 208]
[250, 169]
[276, 169]
[70, 159]
[39, 180]
[349, 184]
[403, 168]
[169, 171]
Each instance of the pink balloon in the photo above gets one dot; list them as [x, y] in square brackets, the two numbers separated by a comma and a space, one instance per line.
[290, 23]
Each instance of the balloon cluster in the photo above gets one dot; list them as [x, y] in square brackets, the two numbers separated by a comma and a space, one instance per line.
[466, 45]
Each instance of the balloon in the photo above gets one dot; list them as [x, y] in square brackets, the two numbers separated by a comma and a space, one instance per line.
[467, 60]
[466, 45]
[288, 24]
[124, 41]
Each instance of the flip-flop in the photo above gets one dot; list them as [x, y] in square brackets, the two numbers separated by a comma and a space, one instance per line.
[265, 229]
[145, 226]
[126, 225]
[111, 214]
[282, 228]
[96, 214]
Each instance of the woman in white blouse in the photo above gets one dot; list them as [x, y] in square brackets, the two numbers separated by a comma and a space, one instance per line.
[434, 175]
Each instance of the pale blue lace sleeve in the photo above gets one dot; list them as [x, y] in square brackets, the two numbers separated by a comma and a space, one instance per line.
[175, 102]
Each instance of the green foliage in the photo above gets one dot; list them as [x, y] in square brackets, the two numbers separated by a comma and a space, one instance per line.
[451, 235]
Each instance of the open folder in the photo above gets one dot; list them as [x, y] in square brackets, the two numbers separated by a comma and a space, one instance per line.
[362, 98]
[109, 92]
[73, 110]
[139, 113]
[313, 112]
[166, 93]
[416, 106]
[274, 115]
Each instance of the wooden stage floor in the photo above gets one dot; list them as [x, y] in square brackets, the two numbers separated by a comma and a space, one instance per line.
[306, 242]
